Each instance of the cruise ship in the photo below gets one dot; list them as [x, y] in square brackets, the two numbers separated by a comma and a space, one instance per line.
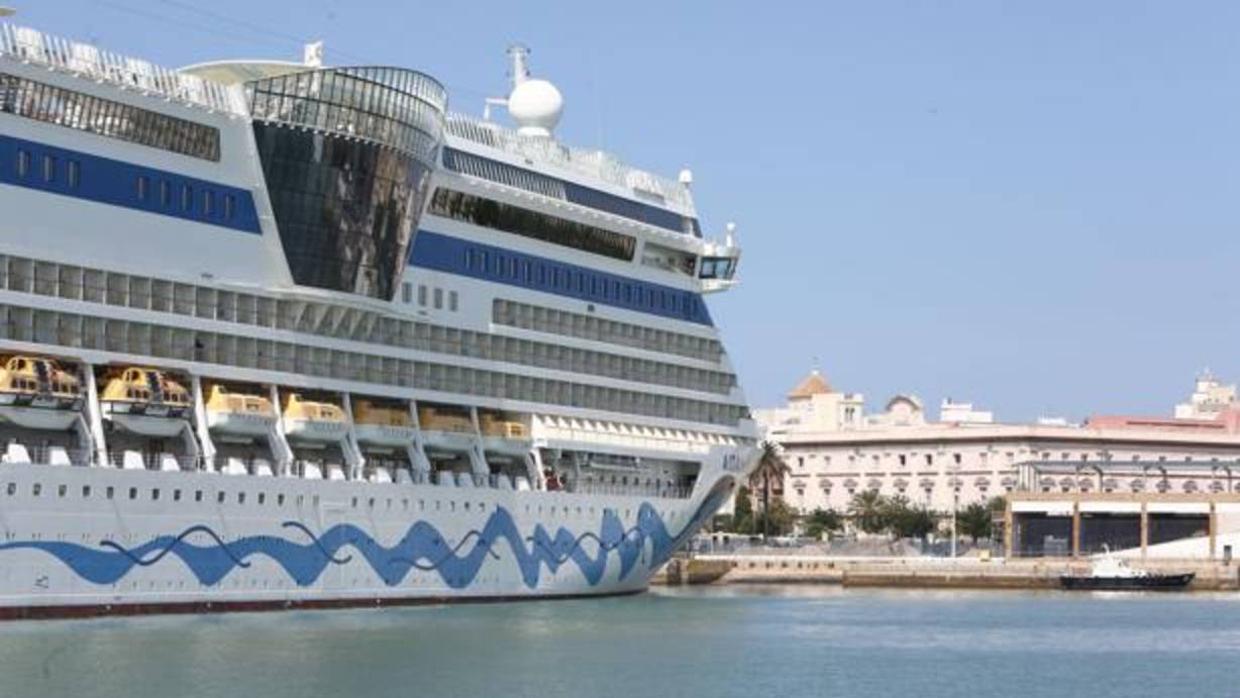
[276, 334]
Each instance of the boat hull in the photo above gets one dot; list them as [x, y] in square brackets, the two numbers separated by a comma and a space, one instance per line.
[1153, 582]
[182, 542]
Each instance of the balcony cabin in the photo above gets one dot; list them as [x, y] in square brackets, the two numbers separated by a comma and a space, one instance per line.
[41, 412]
[146, 419]
[243, 426]
[317, 430]
[386, 435]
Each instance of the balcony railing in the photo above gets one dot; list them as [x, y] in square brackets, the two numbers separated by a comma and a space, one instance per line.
[32, 46]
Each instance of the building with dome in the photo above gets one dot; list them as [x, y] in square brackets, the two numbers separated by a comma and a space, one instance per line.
[835, 449]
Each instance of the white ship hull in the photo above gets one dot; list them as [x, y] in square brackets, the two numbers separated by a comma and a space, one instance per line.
[75, 549]
[221, 231]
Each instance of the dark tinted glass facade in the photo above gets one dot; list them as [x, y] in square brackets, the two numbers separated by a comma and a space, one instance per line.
[105, 117]
[347, 155]
[489, 213]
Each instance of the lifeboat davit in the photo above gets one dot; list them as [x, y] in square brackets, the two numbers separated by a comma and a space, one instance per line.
[36, 393]
[145, 401]
[236, 412]
[309, 420]
[504, 435]
[379, 424]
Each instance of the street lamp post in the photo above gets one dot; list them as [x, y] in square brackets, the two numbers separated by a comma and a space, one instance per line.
[955, 506]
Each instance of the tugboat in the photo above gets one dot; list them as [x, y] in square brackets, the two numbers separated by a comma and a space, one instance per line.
[1111, 573]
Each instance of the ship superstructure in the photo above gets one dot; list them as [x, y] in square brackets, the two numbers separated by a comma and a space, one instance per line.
[278, 334]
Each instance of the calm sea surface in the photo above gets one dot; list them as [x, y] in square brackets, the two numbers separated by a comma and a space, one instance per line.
[760, 642]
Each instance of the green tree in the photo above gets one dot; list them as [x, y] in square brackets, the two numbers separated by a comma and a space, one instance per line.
[778, 519]
[868, 511]
[820, 521]
[905, 520]
[742, 513]
[974, 521]
[770, 470]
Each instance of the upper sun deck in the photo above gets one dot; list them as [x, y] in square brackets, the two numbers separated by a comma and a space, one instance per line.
[34, 47]
[593, 164]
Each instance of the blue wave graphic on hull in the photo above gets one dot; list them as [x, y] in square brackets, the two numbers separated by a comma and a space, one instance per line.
[305, 557]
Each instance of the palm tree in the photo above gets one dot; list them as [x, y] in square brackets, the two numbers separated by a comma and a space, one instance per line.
[868, 510]
[771, 467]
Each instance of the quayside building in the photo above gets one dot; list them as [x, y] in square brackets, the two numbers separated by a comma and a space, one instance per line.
[836, 449]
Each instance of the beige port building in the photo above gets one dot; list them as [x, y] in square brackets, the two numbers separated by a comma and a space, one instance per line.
[1117, 480]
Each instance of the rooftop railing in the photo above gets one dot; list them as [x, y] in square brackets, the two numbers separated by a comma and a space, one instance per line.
[591, 163]
[32, 46]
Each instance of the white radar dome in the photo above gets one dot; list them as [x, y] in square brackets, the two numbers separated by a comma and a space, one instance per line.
[536, 106]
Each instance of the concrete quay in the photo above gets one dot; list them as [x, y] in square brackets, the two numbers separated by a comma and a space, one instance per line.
[916, 572]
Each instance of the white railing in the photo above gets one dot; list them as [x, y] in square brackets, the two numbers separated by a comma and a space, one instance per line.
[32, 46]
[592, 163]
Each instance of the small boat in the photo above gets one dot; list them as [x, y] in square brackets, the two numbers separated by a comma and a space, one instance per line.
[1111, 573]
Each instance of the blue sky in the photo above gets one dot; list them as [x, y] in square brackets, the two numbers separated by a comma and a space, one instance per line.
[1029, 205]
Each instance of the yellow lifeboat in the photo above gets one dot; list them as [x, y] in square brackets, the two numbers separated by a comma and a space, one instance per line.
[382, 424]
[313, 420]
[502, 434]
[38, 382]
[36, 393]
[144, 391]
[444, 419]
[446, 428]
[238, 410]
[497, 425]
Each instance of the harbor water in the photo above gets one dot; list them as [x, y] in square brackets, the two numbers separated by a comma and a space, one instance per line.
[746, 642]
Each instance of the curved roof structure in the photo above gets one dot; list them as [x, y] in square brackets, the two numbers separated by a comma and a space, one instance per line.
[813, 384]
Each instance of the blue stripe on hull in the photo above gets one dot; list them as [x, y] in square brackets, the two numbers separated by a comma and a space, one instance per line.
[444, 253]
[422, 547]
[115, 183]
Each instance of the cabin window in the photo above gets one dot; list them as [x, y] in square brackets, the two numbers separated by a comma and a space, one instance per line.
[219, 498]
[154, 495]
[12, 488]
[230, 206]
[176, 495]
[453, 301]
[241, 497]
[438, 299]
[279, 500]
[133, 492]
[23, 163]
[85, 491]
[197, 495]
[110, 492]
[73, 173]
[49, 168]
[143, 184]
[36, 489]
